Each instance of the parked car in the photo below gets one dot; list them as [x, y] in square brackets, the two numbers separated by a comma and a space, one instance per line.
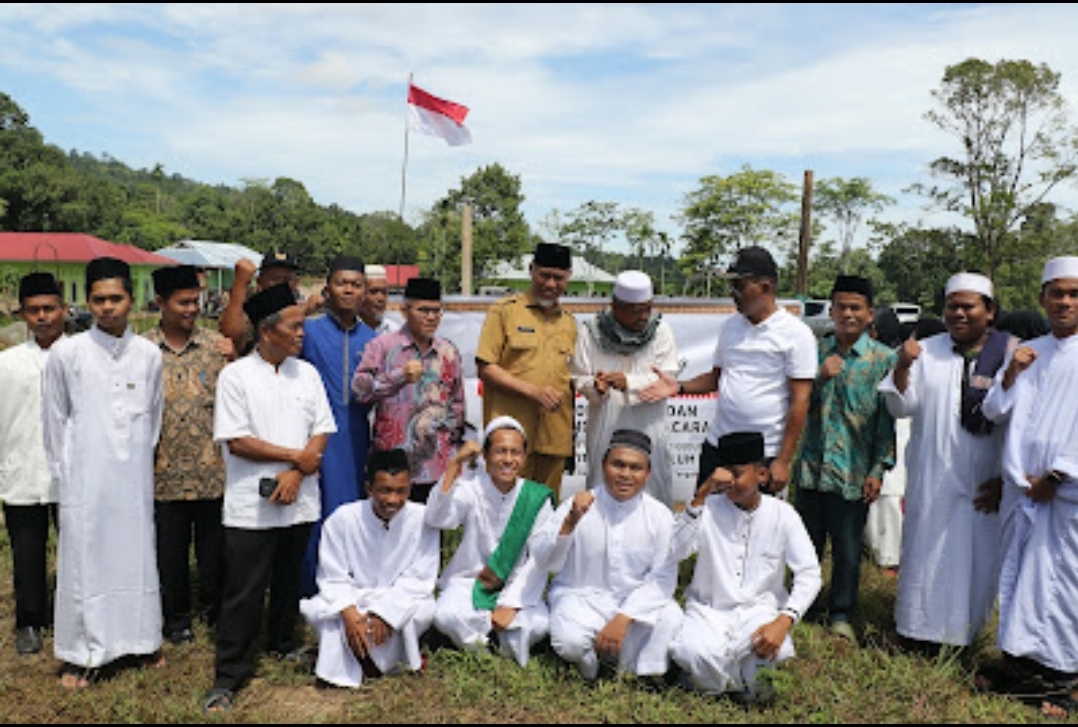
[906, 312]
[817, 314]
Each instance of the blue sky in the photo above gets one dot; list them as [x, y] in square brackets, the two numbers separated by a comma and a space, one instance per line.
[629, 103]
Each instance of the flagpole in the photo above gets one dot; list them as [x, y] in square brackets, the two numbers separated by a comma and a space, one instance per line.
[404, 166]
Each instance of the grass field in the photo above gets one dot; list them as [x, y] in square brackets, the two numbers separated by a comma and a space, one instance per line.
[828, 682]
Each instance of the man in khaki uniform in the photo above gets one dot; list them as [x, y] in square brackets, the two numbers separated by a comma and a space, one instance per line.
[523, 359]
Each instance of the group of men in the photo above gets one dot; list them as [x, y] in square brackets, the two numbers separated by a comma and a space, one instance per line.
[314, 452]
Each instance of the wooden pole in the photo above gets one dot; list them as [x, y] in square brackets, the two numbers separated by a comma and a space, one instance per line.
[466, 249]
[805, 239]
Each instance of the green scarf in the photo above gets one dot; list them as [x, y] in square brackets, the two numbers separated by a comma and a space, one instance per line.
[613, 337]
[531, 498]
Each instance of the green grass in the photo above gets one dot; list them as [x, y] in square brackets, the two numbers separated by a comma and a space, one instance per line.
[828, 682]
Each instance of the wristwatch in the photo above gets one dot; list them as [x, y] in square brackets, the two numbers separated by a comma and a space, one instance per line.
[1055, 478]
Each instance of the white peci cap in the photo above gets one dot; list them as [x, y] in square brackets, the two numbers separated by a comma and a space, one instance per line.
[633, 286]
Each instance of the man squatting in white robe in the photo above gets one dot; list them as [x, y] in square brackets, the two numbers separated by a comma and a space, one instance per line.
[1036, 393]
[617, 352]
[738, 611]
[492, 585]
[377, 567]
[949, 579]
[612, 595]
[103, 402]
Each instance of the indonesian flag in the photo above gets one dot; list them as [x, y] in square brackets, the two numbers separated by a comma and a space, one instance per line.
[435, 116]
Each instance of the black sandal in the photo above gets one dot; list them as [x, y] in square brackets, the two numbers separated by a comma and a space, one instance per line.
[1064, 701]
[217, 700]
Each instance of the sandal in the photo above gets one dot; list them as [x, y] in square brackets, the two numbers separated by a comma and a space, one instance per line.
[1060, 705]
[217, 700]
[74, 677]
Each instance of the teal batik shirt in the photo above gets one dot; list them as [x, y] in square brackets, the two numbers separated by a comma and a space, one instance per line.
[849, 434]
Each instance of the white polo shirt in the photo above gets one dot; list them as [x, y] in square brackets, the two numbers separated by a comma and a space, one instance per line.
[286, 407]
[756, 362]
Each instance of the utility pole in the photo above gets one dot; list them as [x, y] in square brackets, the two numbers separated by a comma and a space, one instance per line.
[804, 240]
[466, 249]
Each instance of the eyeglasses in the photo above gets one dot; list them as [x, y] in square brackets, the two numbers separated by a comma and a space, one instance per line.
[428, 312]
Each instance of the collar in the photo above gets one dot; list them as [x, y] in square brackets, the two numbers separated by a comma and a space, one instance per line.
[113, 345]
[340, 324]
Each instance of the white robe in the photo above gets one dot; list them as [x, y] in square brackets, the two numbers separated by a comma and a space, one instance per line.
[389, 569]
[483, 511]
[948, 581]
[1038, 599]
[623, 409]
[103, 401]
[613, 562]
[24, 470]
[739, 584]
[883, 526]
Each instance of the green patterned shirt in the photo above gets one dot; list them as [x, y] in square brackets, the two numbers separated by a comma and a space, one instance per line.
[849, 434]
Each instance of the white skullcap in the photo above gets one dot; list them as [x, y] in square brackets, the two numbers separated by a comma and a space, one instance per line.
[503, 422]
[1060, 267]
[374, 271]
[971, 282]
[633, 286]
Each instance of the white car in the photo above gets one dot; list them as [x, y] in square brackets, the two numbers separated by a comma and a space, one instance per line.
[906, 312]
[817, 314]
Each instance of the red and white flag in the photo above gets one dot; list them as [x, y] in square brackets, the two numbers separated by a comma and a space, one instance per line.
[429, 114]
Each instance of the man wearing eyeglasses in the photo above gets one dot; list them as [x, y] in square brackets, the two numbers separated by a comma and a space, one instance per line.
[414, 379]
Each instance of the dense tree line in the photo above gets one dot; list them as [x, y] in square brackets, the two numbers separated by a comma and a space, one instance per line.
[1015, 148]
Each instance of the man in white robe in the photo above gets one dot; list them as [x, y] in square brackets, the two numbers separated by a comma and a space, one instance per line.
[487, 592]
[948, 581]
[1036, 394]
[103, 402]
[612, 594]
[617, 354]
[738, 610]
[377, 566]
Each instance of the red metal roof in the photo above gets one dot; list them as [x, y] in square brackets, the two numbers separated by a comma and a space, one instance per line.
[71, 247]
[398, 275]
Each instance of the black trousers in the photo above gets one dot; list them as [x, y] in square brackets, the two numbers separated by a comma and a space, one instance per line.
[830, 515]
[28, 531]
[178, 523]
[256, 560]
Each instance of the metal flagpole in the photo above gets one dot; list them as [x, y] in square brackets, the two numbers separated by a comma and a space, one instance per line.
[404, 166]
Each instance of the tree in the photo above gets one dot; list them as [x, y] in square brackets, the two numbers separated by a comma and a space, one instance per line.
[589, 230]
[725, 214]
[499, 230]
[1016, 147]
[847, 201]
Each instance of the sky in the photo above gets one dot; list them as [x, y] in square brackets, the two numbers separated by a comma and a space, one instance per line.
[625, 103]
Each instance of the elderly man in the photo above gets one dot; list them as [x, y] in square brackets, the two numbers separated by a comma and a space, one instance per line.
[372, 309]
[1036, 395]
[951, 533]
[617, 354]
[523, 356]
[414, 379]
[272, 417]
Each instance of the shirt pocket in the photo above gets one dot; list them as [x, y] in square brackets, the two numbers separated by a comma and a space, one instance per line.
[521, 350]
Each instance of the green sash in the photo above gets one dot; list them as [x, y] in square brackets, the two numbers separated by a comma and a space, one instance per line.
[531, 498]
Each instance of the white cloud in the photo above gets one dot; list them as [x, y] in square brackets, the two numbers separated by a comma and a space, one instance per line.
[630, 103]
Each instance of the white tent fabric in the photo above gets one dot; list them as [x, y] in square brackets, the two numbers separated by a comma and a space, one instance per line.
[208, 254]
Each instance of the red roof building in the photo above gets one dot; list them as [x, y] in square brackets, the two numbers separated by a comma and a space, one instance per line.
[65, 254]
